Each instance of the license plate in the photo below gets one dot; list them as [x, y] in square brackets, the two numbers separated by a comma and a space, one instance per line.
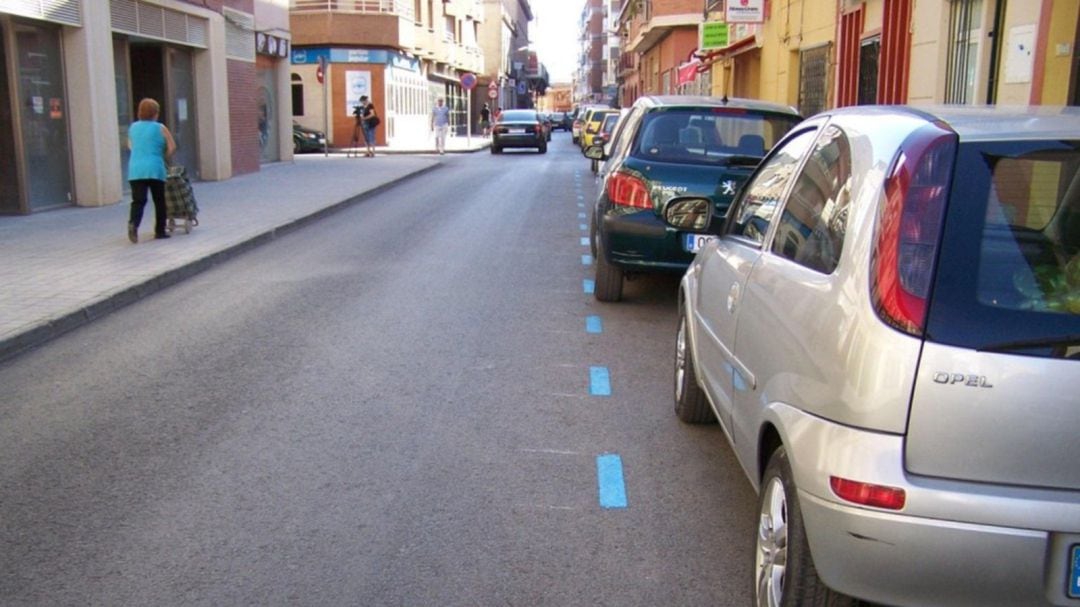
[1074, 571]
[516, 131]
[695, 242]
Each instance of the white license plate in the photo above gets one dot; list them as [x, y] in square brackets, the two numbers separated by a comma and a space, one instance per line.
[516, 131]
[695, 242]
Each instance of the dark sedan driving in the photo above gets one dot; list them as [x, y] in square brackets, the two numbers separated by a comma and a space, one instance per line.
[519, 129]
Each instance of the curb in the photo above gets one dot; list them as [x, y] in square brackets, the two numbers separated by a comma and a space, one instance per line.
[53, 328]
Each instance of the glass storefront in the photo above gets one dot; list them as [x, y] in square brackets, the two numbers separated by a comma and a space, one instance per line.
[267, 110]
[35, 126]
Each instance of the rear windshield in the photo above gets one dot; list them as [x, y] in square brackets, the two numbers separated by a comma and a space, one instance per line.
[519, 116]
[1009, 271]
[709, 135]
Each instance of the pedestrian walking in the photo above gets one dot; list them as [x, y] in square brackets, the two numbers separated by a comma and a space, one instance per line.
[485, 120]
[151, 144]
[369, 119]
[440, 124]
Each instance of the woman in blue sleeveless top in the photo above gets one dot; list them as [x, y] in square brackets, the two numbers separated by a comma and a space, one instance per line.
[151, 144]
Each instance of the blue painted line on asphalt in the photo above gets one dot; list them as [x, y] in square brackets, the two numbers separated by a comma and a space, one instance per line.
[582, 227]
[588, 285]
[586, 260]
[599, 381]
[581, 215]
[594, 324]
[581, 204]
[584, 241]
[612, 484]
[581, 197]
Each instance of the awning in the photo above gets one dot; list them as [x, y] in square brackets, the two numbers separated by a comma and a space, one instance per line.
[710, 57]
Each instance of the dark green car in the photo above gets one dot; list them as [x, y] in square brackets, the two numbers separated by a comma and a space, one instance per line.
[670, 147]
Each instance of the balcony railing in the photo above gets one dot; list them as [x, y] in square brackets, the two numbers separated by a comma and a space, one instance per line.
[402, 8]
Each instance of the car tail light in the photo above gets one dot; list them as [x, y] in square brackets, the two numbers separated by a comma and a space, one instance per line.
[627, 190]
[909, 227]
[865, 494]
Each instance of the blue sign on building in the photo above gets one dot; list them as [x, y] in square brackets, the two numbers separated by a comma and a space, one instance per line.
[310, 56]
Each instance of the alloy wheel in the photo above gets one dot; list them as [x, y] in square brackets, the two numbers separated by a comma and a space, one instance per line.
[772, 545]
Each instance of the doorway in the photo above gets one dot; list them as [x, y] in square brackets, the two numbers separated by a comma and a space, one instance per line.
[163, 73]
[9, 186]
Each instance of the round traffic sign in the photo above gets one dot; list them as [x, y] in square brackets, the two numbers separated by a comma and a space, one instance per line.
[468, 80]
[493, 93]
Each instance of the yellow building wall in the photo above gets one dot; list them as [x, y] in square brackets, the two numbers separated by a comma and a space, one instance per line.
[791, 28]
[1012, 91]
[1059, 51]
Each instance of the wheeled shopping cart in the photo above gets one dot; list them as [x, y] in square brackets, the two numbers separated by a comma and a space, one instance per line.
[180, 202]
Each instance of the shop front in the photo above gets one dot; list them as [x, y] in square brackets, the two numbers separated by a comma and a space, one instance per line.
[390, 79]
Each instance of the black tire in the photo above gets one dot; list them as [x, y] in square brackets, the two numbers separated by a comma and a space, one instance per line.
[609, 280]
[691, 406]
[574, 139]
[496, 149]
[594, 165]
[784, 573]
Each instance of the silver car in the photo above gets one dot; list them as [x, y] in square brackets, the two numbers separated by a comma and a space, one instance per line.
[887, 328]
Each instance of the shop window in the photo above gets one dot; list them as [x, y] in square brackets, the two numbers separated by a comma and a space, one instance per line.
[869, 53]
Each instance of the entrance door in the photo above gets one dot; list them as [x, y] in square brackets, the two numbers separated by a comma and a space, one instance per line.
[9, 185]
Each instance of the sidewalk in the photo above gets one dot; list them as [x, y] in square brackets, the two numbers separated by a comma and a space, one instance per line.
[64, 268]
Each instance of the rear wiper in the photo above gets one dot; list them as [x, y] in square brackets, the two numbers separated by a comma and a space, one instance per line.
[1025, 344]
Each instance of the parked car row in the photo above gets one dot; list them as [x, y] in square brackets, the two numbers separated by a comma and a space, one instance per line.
[880, 306]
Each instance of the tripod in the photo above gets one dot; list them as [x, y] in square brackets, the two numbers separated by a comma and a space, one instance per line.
[357, 137]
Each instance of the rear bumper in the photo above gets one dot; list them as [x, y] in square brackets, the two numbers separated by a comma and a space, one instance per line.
[642, 242]
[953, 543]
[518, 141]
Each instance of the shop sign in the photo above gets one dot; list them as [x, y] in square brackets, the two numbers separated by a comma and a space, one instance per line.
[712, 35]
[273, 46]
[745, 11]
[357, 84]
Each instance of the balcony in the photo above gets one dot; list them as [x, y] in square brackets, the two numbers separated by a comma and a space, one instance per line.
[388, 23]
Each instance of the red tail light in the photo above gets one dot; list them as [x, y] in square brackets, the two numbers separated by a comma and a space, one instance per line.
[629, 191]
[865, 494]
[909, 227]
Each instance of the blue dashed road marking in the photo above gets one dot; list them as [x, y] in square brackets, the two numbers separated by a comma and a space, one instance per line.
[581, 215]
[593, 324]
[609, 477]
[582, 227]
[599, 381]
[586, 260]
[585, 241]
[588, 285]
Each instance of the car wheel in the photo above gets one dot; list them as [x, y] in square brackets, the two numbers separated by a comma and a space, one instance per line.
[495, 149]
[691, 405]
[594, 165]
[574, 139]
[609, 280]
[784, 573]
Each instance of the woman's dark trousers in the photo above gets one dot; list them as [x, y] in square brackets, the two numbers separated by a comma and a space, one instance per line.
[138, 202]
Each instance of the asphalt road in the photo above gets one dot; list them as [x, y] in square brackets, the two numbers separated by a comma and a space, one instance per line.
[391, 406]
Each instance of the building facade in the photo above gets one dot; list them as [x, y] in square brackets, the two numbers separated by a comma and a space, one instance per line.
[73, 71]
[402, 54]
[512, 65]
[659, 37]
[818, 54]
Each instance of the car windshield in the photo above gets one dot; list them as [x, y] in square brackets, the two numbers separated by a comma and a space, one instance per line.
[709, 135]
[1015, 216]
[519, 116]
[609, 123]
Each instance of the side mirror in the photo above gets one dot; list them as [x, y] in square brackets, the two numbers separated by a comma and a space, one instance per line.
[595, 152]
[689, 213]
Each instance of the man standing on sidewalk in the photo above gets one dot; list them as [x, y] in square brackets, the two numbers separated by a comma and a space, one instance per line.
[440, 123]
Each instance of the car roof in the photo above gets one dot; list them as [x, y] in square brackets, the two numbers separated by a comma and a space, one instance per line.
[989, 123]
[707, 101]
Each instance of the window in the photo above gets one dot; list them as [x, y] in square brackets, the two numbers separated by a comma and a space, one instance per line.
[297, 95]
[812, 227]
[973, 48]
[813, 80]
[710, 134]
[754, 210]
[869, 53]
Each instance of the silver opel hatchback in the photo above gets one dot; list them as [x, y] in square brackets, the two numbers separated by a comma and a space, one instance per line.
[887, 327]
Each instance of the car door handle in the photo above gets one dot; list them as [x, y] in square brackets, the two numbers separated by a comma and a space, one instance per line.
[732, 298]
